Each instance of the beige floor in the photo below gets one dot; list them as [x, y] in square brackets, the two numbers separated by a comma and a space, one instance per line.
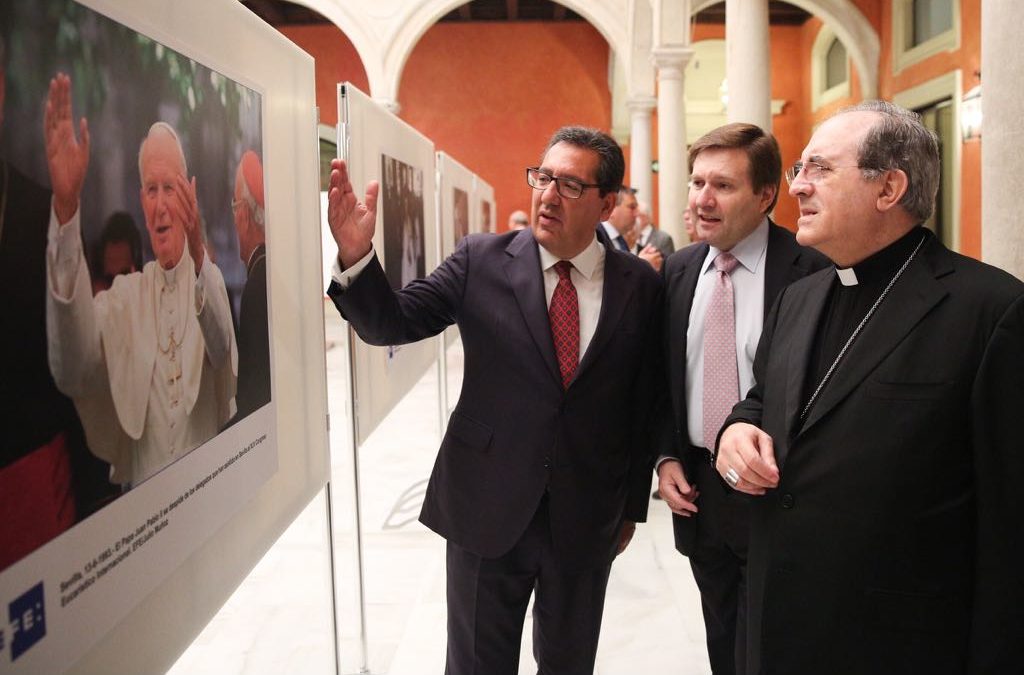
[278, 620]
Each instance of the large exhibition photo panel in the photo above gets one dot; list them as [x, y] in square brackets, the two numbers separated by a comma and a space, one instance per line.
[148, 180]
[379, 146]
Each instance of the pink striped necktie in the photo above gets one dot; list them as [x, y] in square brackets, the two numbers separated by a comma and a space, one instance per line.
[721, 379]
[564, 314]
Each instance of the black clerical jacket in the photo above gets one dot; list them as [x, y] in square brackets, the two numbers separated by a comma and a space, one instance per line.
[894, 542]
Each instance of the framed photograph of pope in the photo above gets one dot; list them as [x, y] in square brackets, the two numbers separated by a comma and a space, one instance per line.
[137, 250]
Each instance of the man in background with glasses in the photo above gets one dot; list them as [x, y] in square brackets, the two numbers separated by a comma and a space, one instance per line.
[545, 466]
[718, 293]
[882, 440]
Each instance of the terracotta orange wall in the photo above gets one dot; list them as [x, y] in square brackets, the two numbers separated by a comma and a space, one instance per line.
[336, 61]
[491, 94]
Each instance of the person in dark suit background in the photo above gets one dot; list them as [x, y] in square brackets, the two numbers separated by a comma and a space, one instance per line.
[882, 440]
[253, 329]
[619, 224]
[545, 466]
[735, 171]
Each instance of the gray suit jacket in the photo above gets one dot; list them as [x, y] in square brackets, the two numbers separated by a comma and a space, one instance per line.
[661, 241]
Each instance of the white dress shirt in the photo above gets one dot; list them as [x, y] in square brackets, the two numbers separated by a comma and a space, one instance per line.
[588, 277]
[748, 294]
[612, 233]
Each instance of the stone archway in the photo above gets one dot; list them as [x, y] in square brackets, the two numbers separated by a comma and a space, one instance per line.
[607, 16]
[855, 32]
[358, 28]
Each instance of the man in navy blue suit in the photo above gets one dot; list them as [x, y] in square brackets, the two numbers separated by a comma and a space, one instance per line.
[544, 469]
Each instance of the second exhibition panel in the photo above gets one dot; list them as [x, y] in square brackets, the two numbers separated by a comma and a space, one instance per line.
[379, 146]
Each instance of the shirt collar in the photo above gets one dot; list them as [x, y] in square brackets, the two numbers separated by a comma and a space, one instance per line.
[613, 234]
[749, 251]
[585, 262]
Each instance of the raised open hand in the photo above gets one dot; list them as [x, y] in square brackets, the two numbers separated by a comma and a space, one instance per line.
[66, 155]
[186, 209]
[352, 222]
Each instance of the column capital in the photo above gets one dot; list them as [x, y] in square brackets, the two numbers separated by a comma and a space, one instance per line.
[671, 58]
[641, 104]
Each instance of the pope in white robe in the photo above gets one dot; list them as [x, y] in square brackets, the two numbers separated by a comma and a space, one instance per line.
[150, 364]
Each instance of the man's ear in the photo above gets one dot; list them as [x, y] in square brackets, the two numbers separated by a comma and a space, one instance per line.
[893, 185]
[768, 194]
[608, 204]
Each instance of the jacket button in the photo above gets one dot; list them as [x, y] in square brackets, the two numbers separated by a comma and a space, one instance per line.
[788, 501]
[547, 462]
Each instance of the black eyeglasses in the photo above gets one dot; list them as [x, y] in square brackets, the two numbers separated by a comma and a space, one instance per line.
[570, 188]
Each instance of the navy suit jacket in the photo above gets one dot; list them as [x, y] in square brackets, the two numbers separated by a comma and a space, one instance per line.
[515, 432]
[785, 262]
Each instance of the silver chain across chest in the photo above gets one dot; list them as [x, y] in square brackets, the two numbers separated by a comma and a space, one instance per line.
[857, 330]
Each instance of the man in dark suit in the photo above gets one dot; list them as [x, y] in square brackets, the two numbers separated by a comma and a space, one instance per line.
[735, 171]
[545, 465]
[882, 438]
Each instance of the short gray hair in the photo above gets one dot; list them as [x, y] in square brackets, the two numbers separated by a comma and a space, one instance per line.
[611, 166]
[900, 141]
[169, 130]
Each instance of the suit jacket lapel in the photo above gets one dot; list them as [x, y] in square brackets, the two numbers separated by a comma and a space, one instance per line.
[911, 298]
[801, 334]
[782, 264]
[522, 266]
[615, 295]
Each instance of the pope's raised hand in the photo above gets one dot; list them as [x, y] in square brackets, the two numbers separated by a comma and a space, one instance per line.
[352, 222]
[66, 156]
[186, 209]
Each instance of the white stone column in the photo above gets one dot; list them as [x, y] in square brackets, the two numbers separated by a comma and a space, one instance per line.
[748, 62]
[673, 171]
[1002, 163]
[640, 175]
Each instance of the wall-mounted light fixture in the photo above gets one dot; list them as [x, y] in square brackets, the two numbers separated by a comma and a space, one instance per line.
[970, 114]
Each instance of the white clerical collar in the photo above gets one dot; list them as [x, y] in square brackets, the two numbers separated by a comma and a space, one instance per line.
[847, 277]
[171, 276]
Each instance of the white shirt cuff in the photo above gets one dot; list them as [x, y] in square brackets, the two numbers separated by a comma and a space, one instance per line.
[344, 278]
[664, 458]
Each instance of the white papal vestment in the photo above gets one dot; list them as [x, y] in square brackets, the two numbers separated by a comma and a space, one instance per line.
[150, 364]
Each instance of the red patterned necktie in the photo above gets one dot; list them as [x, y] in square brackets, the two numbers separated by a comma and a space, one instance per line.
[721, 379]
[564, 315]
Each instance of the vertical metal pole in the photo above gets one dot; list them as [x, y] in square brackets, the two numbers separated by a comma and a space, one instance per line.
[334, 586]
[353, 409]
[442, 351]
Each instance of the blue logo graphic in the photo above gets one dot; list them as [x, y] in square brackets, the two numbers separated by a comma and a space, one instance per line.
[28, 620]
